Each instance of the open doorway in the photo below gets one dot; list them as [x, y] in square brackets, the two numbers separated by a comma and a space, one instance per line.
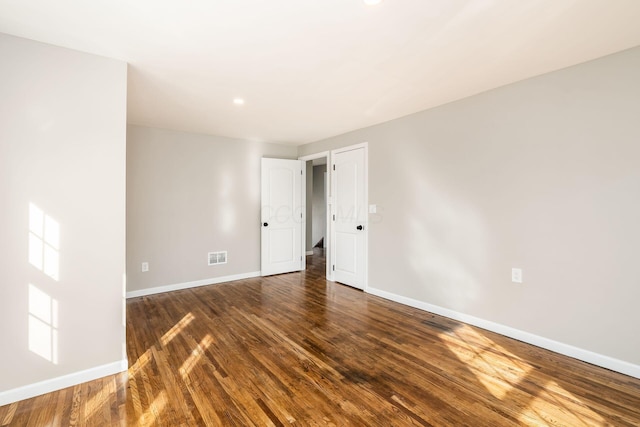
[316, 211]
[316, 225]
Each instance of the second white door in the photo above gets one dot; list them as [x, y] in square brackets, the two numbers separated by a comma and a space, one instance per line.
[349, 217]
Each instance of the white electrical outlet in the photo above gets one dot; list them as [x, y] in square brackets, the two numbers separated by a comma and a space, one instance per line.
[145, 267]
[516, 275]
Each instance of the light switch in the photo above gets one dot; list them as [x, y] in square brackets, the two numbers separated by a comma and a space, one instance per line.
[373, 208]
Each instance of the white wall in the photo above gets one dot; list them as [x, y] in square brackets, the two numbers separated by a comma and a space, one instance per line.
[187, 195]
[542, 175]
[62, 162]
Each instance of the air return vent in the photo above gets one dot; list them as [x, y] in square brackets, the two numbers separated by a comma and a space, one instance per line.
[217, 258]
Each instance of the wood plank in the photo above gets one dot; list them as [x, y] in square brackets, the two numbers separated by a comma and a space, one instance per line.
[296, 349]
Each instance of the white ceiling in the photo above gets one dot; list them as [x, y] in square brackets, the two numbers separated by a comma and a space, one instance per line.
[310, 69]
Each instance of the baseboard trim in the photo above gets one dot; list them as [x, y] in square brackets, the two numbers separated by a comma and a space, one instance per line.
[309, 252]
[546, 343]
[58, 383]
[194, 284]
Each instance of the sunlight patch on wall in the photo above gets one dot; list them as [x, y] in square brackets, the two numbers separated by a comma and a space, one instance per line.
[227, 219]
[44, 255]
[44, 242]
[449, 244]
[449, 250]
[43, 324]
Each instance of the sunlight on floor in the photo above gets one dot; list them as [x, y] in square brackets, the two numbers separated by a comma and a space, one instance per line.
[500, 372]
[195, 356]
[149, 417]
[177, 328]
[496, 368]
[156, 407]
[554, 403]
[140, 364]
[101, 400]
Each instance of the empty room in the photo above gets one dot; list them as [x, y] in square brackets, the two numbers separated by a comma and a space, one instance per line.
[319, 213]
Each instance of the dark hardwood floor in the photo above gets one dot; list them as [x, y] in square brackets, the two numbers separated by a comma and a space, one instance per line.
[296, 349]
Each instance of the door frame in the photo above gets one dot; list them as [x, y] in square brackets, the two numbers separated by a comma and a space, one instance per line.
[330, 155]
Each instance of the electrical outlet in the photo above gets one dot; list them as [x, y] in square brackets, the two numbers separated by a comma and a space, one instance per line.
[145, 267]
[516, 275]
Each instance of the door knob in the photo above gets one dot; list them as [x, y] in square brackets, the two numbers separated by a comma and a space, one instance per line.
[360, 227]
[266, 224]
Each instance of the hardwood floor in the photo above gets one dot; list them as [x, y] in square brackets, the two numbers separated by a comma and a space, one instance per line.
[295, 349]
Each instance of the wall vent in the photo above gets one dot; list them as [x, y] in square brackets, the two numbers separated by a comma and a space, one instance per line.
[217, 258]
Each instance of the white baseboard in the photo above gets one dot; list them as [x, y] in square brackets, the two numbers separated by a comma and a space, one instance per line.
[549, 344]
[58, 383]
[310, 252]
[194, 284]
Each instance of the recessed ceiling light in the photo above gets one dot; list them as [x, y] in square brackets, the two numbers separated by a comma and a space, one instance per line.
[238, 101]
[371, 2]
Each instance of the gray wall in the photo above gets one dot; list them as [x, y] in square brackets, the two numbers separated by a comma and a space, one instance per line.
[319, 204]
[190, 194]
[542, 175]
[62, 161]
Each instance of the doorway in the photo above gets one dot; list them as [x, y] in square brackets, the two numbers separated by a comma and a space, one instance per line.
[316, 224]
[345, 214]
[316, 227]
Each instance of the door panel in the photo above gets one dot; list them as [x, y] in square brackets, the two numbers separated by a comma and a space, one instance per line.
[281, 246]
[350, 217]
[281, 236]
[346, 245]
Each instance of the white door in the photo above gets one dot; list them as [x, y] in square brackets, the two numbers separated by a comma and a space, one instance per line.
[350, 217]
[281, 237]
